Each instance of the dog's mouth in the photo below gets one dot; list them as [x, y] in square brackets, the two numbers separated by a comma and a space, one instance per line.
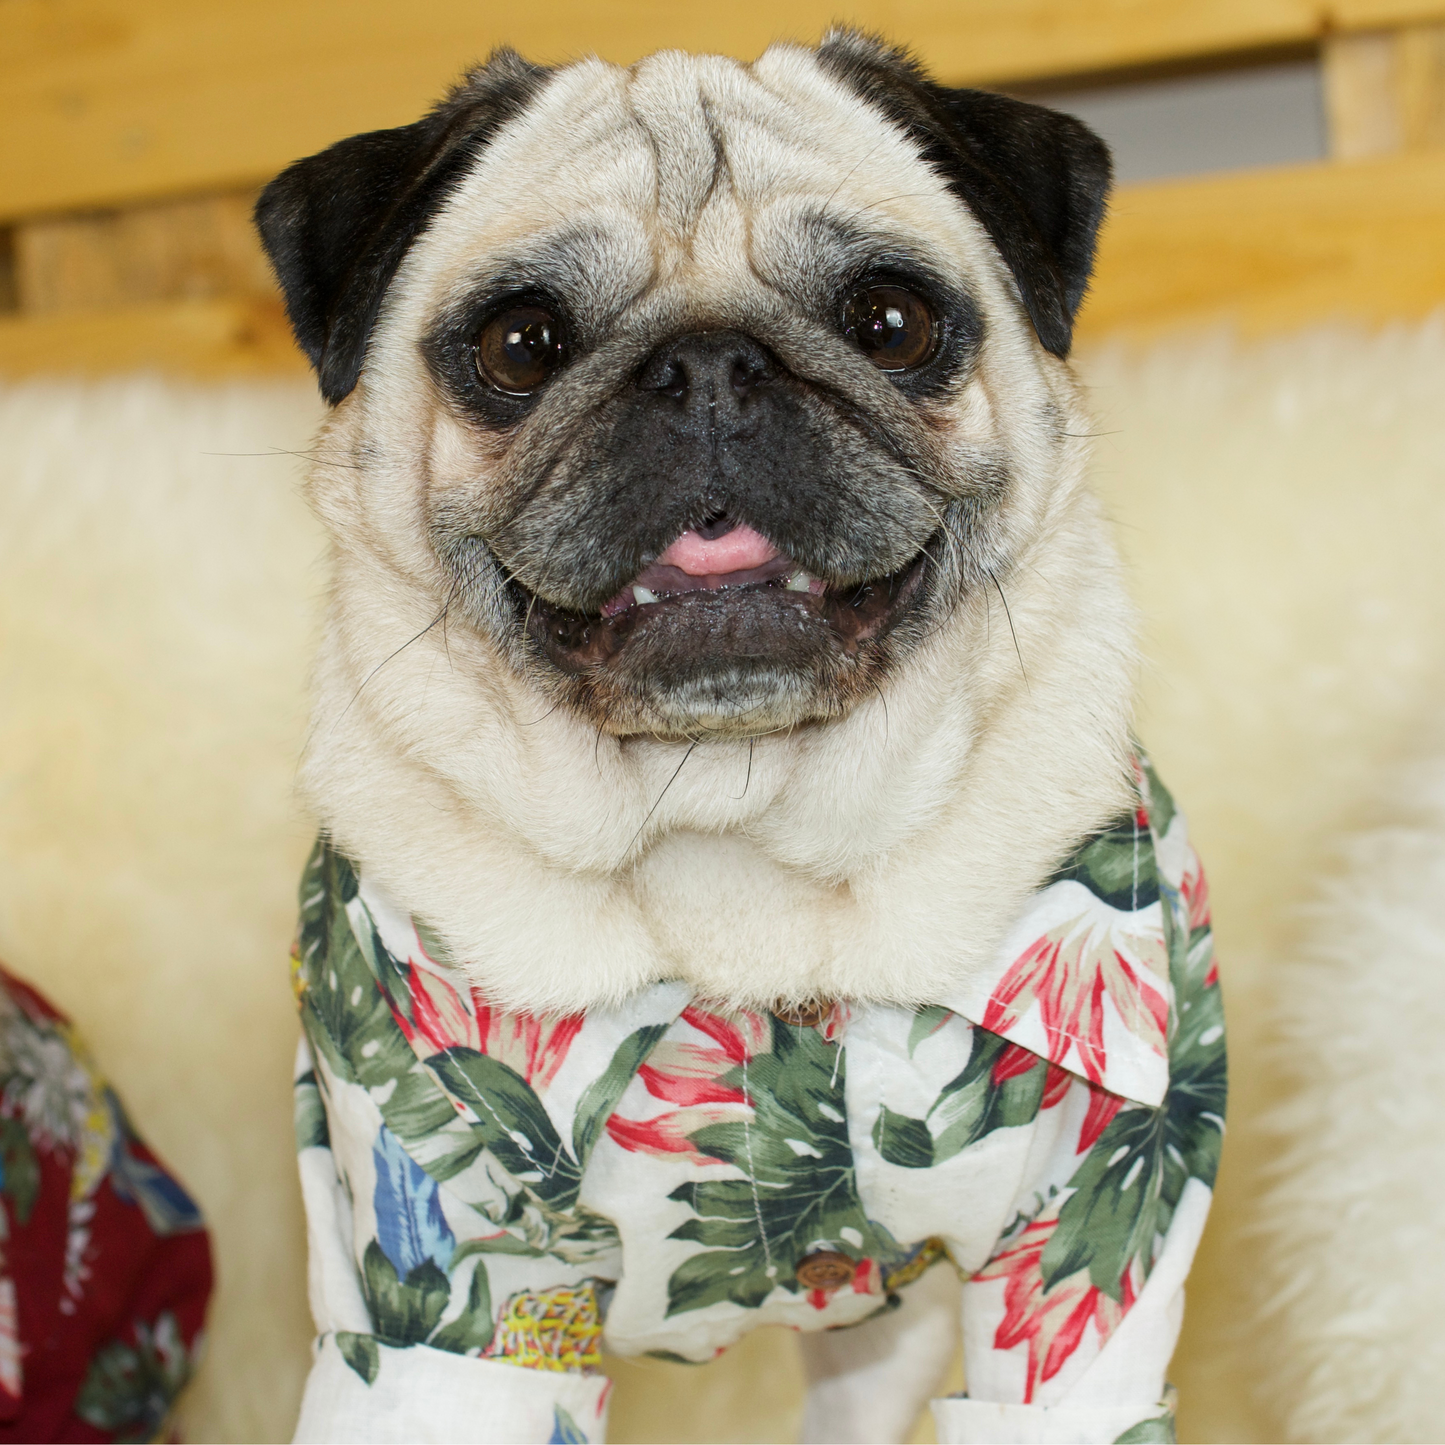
[722, 595]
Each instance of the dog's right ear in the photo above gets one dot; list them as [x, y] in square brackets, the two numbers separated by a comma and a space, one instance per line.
[337, 224]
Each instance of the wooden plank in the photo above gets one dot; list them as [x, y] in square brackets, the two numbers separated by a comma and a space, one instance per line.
[1361, 95]
[199, 340]
[107, 101]
[1385, 91]
[1274, 249]
[8, 299]
[1421, 82]
[201, 246]
[1267, 250]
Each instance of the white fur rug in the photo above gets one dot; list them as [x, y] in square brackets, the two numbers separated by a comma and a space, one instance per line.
[156, 586]
[1282, 511]
[1281, 506]
[1354, 1220]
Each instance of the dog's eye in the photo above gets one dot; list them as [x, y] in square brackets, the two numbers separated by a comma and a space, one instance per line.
[519, 349]
[892, 327]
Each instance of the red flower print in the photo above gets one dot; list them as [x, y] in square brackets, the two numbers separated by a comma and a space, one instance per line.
[692, 1073]
[867, 1277]
[532, 1045]
[1013, 1061]
[1100, 1114]
[1016, 1060]
[1194, 889]
[1051, 1322]
[835, 1022]
[1056, 1086]
[1069, 972]
[668, 1135]
[739, 1034]
[687, 1074]
[35, 1007]
[440, 1018]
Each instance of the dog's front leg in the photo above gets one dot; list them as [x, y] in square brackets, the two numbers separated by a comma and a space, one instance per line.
[870, 1382]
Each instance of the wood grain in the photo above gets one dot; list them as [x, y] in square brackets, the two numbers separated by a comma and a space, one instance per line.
[107, 101]
[1385, 91]
[1421, 82]
[1362, 107]
[199, 340]
[1274, 249]
[202, 246]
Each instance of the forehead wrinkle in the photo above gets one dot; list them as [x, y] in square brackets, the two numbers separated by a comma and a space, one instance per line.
[669, 103]
[568, 149]
[878, 170]
[706, 233]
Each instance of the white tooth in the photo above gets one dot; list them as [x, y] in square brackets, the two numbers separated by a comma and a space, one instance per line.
[799, 581]
[641, 594]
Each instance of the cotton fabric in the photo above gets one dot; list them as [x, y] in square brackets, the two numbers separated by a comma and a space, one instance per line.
[494, 1197]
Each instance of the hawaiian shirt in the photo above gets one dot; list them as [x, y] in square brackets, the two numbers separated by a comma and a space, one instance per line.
[105, 1265]
[495, 1197]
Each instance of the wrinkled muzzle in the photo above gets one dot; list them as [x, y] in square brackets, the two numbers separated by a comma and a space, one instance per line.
[721, 540]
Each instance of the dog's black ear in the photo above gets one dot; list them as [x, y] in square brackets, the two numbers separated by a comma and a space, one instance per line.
[1035, 178]
[337, 224]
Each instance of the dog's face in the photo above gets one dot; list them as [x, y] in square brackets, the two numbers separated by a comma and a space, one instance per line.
[714, 386]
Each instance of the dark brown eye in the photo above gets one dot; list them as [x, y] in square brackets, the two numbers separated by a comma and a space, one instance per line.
[519, 349]
[892, 327]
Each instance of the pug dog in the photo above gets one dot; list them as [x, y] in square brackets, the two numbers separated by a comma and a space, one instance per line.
[739, 898]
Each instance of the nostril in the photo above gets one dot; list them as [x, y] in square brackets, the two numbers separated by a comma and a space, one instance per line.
[668, 378]
[674, 380]
[719, 524]
[745, 376]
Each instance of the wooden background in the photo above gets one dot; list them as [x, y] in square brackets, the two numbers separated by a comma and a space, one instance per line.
[136, 131]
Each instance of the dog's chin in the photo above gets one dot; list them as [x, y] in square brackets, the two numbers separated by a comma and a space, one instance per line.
[760, 652]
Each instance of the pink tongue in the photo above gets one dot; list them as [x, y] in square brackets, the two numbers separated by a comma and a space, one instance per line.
[737, 551]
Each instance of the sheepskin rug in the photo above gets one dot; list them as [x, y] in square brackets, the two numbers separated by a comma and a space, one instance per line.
[1281, 507]
[158, 577]
[1354, 1218]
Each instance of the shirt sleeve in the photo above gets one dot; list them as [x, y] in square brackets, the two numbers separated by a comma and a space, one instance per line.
[1069, 1327]
[398, 1356]
[1108, 1357]
[363, 1389]
[455, 1281]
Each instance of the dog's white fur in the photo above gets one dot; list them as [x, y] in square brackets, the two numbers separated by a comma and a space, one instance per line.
[880, 856]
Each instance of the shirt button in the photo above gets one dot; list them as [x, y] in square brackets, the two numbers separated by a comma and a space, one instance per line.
[804, 1015]
[825, 1269]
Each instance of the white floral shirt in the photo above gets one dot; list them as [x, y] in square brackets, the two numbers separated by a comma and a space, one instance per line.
[493, 1197]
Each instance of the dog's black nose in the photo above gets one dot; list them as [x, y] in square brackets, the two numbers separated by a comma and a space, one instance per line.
[711, 372]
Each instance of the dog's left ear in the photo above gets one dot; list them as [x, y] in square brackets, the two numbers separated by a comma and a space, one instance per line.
[1035, 178]
[337, 224]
